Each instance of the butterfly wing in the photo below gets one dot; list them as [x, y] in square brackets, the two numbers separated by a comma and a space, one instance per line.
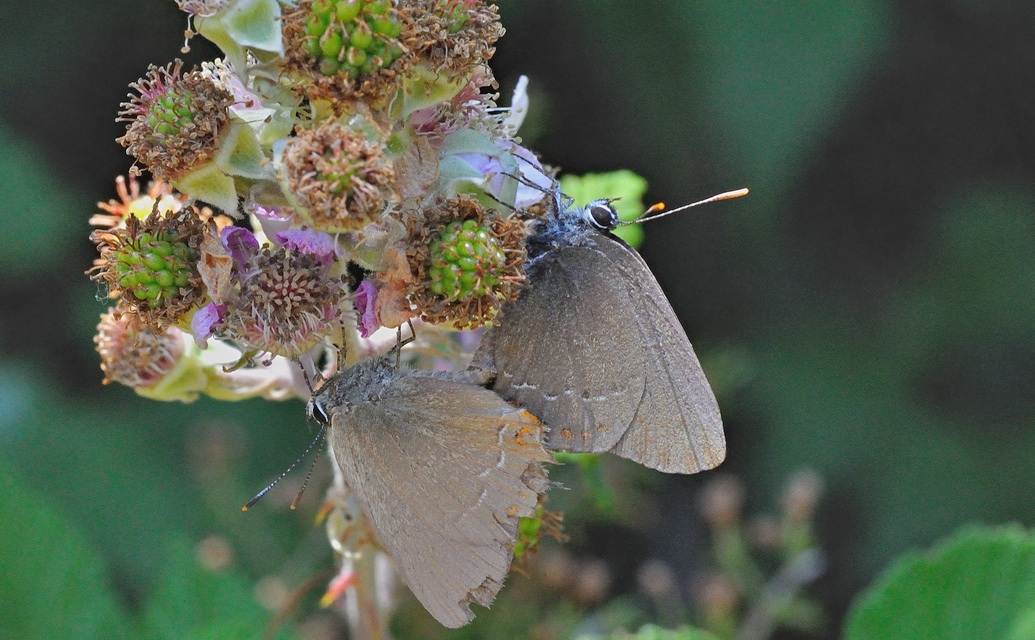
[677, 427]
[443, 470]
[593, 345]
[567, 350]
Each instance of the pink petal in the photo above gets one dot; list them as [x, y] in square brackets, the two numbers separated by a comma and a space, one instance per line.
[365, 300]
[204, 320]
[240, 243]
[316, 243]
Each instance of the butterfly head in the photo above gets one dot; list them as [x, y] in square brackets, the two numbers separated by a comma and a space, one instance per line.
[317, 410]
[600, 214]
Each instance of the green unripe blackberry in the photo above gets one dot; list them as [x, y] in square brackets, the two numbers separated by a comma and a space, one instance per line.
[465, 260]
[154, 267]
[170, 112]
[353, 37]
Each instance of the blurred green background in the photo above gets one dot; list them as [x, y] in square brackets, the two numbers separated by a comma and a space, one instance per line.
[867, 312]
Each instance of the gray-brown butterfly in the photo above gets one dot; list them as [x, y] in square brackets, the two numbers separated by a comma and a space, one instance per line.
[593, 348]
[443, 469]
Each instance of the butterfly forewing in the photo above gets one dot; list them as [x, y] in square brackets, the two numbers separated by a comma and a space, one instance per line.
[566, 358]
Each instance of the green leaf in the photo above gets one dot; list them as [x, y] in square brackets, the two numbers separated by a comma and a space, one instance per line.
[52, 584]
[1023, 627]
[979, 584]
[193, 602]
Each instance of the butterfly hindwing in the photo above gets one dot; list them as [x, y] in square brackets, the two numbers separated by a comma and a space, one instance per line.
[444, 470]
[677, 427]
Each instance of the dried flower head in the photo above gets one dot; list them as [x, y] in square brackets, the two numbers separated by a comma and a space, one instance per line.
[452, 36]
[152, 264]
[344, 50]
[341, 179]
[801, 495]
[722, 501]
[134, 354]
[466, 262]
[177, 122]
[287, 299]
[202, 7]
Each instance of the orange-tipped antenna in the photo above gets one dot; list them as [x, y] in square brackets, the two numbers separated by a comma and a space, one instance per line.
[294, 503]
[658, 210]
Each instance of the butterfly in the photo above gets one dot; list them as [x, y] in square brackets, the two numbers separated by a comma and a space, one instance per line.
[593, 348]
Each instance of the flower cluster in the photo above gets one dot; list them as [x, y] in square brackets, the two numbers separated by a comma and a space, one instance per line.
[343, 168]
[341, 172]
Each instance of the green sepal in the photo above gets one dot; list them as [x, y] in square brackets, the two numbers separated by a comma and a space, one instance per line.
[240, 154]
[243, 25]
[202, 371]
[423, 88]
[210, 184]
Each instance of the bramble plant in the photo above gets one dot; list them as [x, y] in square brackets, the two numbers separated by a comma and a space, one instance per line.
[343, 171]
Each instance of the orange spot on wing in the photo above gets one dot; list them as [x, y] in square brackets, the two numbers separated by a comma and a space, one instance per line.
[523, 433]
[528, 416]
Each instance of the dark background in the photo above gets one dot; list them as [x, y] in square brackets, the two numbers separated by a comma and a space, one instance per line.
[867, 312]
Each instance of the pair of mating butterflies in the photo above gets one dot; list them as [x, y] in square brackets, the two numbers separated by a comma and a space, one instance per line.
[590, 358]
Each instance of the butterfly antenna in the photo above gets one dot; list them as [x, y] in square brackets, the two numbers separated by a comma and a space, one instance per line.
[658, 210]
[562, 201]
[532, 185]
[540, 169]
[308, 475]
[294, 464]
[400, 343]
[500, 202]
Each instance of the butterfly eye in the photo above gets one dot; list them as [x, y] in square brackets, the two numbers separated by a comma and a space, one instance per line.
[318, 413]
[602, 215]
